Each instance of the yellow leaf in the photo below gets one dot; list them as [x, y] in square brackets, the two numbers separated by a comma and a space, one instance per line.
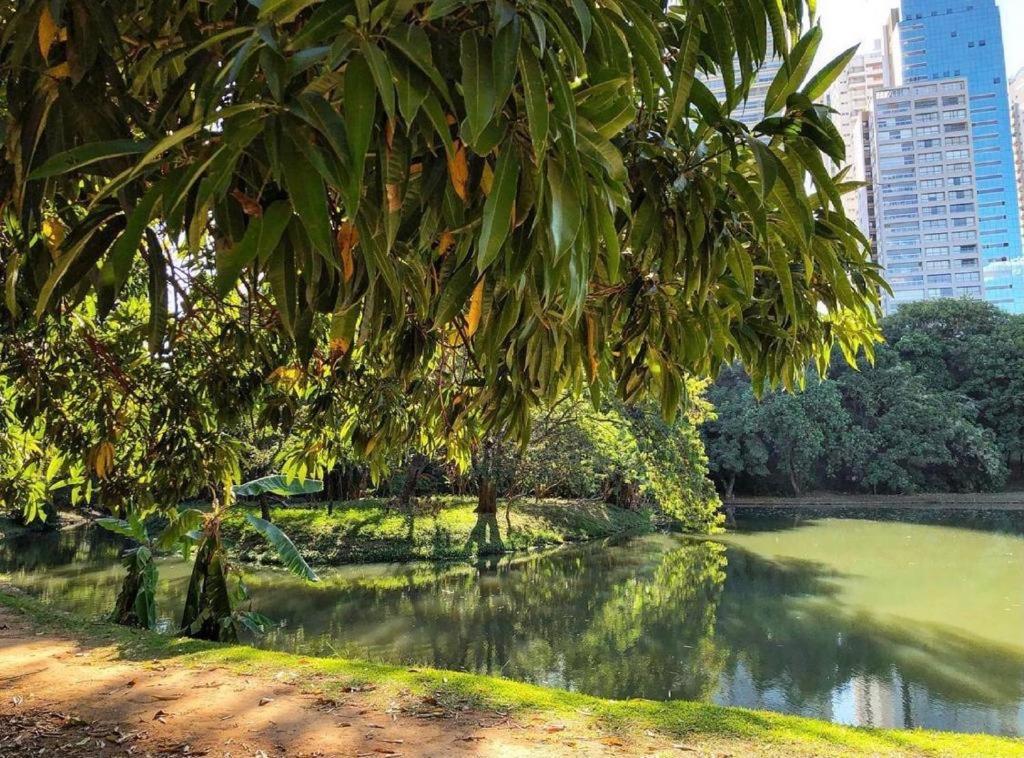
[103, 459]
[476, 306]
[339, 346]
[60, 71]
[53, 233]
[394, 197]
[348, 238]
[487, 179]
[47, 31]
[458, 171]
[444, 242]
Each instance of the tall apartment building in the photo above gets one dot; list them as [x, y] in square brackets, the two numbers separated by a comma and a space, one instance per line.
[852, 97]
[1017, 125]
[944, 40]
[925, 188]
[751, 110]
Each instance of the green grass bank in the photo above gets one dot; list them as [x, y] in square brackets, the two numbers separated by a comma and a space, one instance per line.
[735, 730]
[368, 530]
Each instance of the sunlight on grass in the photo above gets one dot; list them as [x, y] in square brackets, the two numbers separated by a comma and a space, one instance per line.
[702, 723]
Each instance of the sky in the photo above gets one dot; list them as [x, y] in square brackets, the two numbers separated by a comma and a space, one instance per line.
[847, 22]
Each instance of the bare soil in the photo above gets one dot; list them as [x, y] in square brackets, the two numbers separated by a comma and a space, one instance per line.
[62, 697]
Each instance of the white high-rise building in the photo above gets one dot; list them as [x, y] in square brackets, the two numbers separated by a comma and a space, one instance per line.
[1017, 125]
[751, 110]
[852, 97]
[929, 240]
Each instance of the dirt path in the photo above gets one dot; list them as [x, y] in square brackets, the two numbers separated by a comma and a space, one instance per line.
[59, 696]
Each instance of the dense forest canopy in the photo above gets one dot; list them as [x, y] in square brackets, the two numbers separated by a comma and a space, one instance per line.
[941, 410]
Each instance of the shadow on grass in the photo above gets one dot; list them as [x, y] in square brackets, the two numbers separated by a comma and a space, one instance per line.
[689, 721]
[485, 537]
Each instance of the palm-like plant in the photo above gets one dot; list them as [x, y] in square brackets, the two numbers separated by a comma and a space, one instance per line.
[210, 611]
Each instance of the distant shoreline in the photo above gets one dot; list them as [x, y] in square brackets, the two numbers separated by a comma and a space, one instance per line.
[994, 501]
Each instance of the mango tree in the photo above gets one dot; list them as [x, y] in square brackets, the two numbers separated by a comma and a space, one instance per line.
[454, 211]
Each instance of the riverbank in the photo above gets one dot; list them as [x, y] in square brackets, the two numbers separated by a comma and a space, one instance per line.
[89, 688]
[996, 501]
[368, 531]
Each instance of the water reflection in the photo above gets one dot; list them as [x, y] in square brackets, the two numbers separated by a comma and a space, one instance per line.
[862, 621]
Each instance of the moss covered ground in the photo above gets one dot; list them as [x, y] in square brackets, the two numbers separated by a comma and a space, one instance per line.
[444, 528]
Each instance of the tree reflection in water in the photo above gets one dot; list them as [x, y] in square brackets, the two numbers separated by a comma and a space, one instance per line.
[658, 616]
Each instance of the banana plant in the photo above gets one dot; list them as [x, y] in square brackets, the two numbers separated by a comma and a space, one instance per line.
[136, 601]
[210, 605]
[276, 487]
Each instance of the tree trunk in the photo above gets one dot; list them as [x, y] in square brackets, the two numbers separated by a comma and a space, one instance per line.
[793, 482]
[729, 485]
[207, 613]
[487, 496]
[412, 476]
[264, 509]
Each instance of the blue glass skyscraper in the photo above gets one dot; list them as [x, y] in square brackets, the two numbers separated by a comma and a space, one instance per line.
[940, 39]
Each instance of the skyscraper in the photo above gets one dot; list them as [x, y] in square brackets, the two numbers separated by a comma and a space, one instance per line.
[852, 97]
[1017, 123]
[947, 39]
[925, 192]
[751, 110]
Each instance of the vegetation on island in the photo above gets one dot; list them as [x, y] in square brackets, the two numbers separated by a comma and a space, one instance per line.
[939, 410]
[441, 528]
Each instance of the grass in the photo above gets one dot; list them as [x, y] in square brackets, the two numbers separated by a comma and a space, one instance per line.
[368, 530]
[741, 731]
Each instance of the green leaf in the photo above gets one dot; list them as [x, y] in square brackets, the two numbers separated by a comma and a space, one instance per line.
[686, 69]
[286, 550]
[118, 263]
[412, 41]
[497, 218]
[381, 76]
[780, 264]
[535, 94]
[158, 308]
[791, 74]
[281, 486]
[821, 81]
[477, 83]
[178, 528]
[360, 112]
[132, 527]
[260, 239]
[85, 155]
[506, 46]
[566, 210]
[307, 193]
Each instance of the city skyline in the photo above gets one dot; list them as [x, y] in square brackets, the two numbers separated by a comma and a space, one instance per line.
[850, 22]
[945, 191]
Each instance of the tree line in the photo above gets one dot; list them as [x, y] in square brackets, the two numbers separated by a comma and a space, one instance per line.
[941, 409]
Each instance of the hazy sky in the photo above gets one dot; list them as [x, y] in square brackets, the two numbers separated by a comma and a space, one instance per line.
[847, 22]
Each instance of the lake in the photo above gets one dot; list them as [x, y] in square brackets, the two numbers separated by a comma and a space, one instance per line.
[909, 619]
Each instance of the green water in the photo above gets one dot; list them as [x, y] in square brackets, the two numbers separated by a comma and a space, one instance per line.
[861, 620]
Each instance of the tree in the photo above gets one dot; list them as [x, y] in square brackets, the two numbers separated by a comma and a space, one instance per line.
[569, 206]
[398, 226]
[732, 437]
[973, 349]
[880, 428]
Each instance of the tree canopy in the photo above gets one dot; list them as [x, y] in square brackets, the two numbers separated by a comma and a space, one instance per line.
[940, 410]
[448, 211]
